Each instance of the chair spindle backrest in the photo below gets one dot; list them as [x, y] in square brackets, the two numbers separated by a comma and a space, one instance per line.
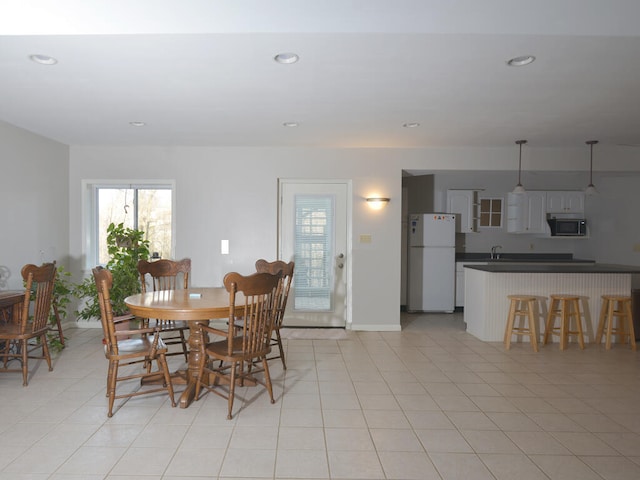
[256, 312]
[43, 279]
[104, 281]
[286, 270]
[165, 274]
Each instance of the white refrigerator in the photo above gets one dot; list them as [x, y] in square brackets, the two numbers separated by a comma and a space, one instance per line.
[432, 262]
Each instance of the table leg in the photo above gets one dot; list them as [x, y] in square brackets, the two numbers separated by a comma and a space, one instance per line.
[195, 341]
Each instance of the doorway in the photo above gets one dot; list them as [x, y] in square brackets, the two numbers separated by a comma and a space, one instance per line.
[313, 231]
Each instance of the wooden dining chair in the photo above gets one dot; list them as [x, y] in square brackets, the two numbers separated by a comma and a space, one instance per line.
[128, 347]
[25, 335]
[256, 310]
[286, 269]
[167, 274]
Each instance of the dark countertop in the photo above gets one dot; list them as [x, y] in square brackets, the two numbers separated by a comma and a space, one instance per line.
[495, 267]
[521, 258]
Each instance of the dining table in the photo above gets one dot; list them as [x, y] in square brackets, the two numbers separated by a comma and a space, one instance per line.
[196, 306]
[10, 305]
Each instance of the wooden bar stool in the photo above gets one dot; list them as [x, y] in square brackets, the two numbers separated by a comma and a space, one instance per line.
[616, 306]
[523, 307]
[564, 307]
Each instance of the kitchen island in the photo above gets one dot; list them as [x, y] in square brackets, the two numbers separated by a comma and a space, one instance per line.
[487, 286]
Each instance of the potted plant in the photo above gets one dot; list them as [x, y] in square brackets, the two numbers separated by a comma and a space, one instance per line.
[126, 246]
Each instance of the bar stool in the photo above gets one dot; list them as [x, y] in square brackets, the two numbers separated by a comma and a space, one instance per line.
[522, 306]
[616, 306]
[565, 307]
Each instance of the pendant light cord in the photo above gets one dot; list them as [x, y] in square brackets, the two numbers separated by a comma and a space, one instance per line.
[519, 185]
[591, 166]
[520, 165]
[591, 143]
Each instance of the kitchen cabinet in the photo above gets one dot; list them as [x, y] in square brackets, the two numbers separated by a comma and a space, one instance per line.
[460, 281]
[565, 202]
[464, 203]
[526, 212]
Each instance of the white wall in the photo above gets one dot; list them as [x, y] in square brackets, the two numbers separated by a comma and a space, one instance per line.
[34, 202]
[231, 193]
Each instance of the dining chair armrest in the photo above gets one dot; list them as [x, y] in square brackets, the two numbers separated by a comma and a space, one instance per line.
[137, 331]
[123, 318]
[214, 330]
[143, 330]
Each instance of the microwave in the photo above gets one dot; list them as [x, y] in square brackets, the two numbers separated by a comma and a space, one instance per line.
[567, 227]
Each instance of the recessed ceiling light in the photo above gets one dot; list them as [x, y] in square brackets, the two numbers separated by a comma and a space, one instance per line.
[521, 61]
[411, 125]
[290, 124]
[43, 59]
[286, 58]
[137, 124]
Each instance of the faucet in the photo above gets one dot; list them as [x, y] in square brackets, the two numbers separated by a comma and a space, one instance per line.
[494, 254]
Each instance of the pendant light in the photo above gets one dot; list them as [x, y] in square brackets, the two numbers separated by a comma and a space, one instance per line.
[519, 188]
[591, 188]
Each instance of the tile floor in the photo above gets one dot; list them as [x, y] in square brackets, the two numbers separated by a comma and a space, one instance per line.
[430, 402]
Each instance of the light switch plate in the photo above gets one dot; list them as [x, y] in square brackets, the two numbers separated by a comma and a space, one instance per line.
[365, 238]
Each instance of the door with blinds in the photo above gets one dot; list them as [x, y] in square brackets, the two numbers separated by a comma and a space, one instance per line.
[313, 232]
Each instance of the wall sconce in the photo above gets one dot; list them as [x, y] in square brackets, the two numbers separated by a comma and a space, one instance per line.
[377, 203]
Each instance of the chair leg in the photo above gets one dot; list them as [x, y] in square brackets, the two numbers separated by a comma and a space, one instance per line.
[109, 374]
[533, 331]
[25, 364]
[232, 388]
[564, 320]
[267, 378]
[610, 311]
[629, 318]
[550, 321]
[7, 349]
[162, 365]
[45, 351]
[113, 378]
[601, 320]
[185, 349]
[279, 338]
[576, 311]
[622, 323]
[58, 324]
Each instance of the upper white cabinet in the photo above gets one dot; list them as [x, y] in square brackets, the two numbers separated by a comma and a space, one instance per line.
[464, 204]
[526, 212]
[565, 202]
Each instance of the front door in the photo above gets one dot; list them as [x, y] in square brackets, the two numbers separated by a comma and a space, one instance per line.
[313, 232]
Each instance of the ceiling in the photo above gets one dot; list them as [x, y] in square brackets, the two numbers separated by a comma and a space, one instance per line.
[202, 72]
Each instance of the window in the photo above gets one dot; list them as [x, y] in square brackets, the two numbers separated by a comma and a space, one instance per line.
[491, 212]
[145, 207]
[314, 226]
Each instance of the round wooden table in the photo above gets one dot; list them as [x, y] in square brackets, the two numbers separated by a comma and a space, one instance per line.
[194, 305]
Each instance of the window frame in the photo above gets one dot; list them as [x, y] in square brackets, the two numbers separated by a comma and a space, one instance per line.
[90, 224]
[491, 212]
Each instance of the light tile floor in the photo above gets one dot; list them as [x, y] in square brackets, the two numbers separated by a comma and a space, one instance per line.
[430, 402]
